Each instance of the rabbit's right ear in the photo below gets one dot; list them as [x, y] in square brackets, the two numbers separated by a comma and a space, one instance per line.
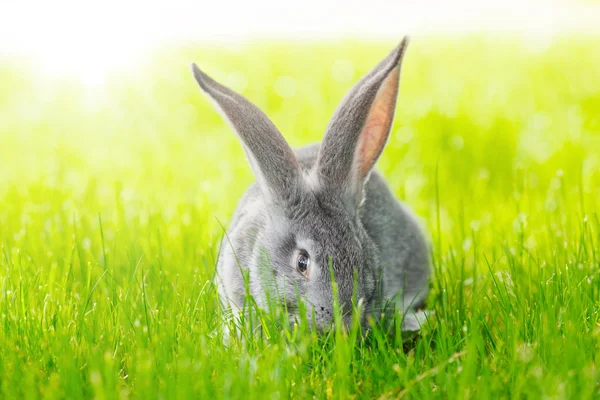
[273, 161]
[359, 130]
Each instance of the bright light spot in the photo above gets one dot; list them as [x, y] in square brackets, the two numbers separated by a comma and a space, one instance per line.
[236, 81]
[483, 174]
[342, 70]
[96, 378]
[457, 142]
[285, 86]
[90, 56]
[73, 39]
[404, 135]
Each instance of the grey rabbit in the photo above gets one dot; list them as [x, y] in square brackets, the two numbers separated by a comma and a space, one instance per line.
[322, 210]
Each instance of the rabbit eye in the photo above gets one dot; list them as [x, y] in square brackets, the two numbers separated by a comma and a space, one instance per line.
[303, 262]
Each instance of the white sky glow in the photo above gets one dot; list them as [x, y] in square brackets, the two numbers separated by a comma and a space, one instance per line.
[71, 36]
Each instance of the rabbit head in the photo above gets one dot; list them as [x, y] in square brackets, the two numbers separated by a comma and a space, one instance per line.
[311, 234]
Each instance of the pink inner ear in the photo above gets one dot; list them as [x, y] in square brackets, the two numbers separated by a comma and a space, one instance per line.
[378, 123]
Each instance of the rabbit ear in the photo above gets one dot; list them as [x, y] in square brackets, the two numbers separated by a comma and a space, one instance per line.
[273, 161]
[359, 129]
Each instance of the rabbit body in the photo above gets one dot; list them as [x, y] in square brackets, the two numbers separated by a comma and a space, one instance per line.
[320, 221]
[403, 251]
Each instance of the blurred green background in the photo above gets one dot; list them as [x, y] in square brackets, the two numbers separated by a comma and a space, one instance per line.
[497, 116]
[113, 191]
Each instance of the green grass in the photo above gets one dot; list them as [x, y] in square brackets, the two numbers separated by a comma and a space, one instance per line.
[111, 197]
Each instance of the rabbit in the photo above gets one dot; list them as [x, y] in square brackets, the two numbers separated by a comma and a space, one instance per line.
[323, 210]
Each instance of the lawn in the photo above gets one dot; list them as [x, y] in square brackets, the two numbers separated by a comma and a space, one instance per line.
[114, 194]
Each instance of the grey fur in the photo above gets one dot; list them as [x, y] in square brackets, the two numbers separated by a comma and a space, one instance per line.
[300, 201]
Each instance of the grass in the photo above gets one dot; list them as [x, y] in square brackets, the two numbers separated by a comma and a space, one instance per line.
[111, 197]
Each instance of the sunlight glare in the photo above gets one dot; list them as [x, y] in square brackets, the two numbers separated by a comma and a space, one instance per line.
[72, 40]
[88, 40]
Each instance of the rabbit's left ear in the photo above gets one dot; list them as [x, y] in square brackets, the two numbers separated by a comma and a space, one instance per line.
[360, 128]
[273, 161]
